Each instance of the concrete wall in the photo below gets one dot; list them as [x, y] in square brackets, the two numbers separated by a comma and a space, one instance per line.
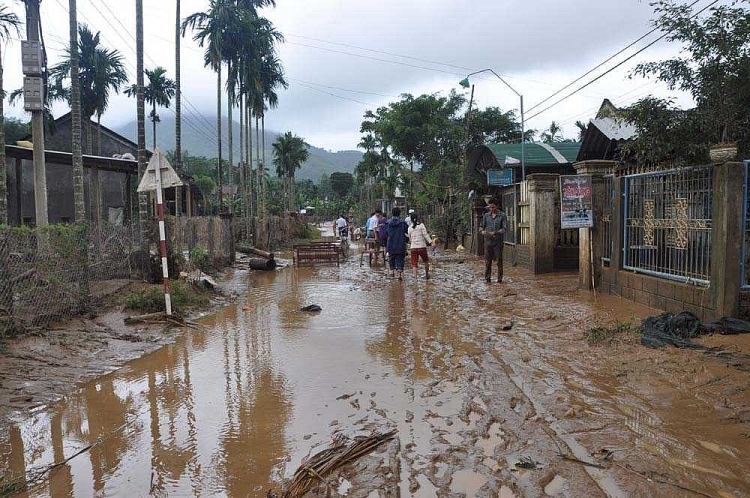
[60, 192]
[61, 140]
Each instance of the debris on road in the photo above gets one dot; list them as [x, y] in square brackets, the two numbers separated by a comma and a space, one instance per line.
[311, 308]
[318, 467]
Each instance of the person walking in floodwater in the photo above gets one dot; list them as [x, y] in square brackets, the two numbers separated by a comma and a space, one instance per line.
[396, 229]
[419, 239]
[493, 230]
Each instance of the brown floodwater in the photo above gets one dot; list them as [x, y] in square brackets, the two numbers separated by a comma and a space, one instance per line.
[233, 410]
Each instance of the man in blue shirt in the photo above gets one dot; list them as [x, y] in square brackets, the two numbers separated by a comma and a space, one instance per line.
[493, 230]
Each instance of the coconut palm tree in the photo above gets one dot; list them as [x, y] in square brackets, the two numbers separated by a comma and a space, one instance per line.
[289, 152]
[100, 71]
[553, 133]
[158, 92]
[9, 24]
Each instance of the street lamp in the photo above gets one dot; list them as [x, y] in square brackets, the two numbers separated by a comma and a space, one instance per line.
[465, 83]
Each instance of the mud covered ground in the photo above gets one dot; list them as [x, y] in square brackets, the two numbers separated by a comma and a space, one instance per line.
[492, 389]
[38, 369]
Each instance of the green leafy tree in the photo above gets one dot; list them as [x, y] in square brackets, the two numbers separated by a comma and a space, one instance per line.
[15, 130]
[9, 24]
[158, 92]
[492, 125]
[714, 67]
[342, 183]
[289, 152]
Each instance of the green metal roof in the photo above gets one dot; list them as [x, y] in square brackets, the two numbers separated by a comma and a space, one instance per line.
[536, 153]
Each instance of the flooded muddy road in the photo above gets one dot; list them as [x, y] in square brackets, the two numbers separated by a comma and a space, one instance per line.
[492, 389]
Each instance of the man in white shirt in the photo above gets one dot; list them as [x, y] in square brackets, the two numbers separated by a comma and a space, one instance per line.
[372, 224]
[341, 225]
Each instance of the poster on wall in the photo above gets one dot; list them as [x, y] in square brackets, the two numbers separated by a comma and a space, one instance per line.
[576, 203]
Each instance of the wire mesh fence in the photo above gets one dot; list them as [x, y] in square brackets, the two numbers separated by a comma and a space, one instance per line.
[55, 271]
[43, 275]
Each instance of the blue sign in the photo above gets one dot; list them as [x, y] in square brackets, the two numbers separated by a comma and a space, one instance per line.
[500, 177]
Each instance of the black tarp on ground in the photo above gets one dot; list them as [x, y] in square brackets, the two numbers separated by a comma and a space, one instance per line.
[679, 330]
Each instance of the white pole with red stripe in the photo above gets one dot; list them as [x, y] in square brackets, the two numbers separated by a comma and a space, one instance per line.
[162, 238]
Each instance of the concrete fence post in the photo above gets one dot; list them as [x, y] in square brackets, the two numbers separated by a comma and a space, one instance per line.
[727, 237]
[542, 191]
[593, 238]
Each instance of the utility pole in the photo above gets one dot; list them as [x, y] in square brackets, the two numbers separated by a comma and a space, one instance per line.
[37, 120]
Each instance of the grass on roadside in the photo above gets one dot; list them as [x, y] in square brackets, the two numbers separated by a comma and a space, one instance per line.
[606, 334]
[151, 299]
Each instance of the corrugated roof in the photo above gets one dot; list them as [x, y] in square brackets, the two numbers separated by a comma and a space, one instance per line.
[554, 153]
[615, 129]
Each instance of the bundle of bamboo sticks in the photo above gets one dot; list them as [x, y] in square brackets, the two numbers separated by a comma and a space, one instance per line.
[322, 464]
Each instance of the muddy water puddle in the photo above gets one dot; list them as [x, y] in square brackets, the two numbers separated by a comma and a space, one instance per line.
[234, 410]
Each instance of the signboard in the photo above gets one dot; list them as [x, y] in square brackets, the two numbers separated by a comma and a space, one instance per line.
[576, 201]
[167, 175]
[500, 177]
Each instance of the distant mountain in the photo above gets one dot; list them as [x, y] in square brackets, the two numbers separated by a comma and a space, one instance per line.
[321, 162]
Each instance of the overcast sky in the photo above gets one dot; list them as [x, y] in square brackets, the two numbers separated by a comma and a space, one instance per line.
[343, 57]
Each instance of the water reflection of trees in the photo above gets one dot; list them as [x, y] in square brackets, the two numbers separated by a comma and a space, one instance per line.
[257, 403]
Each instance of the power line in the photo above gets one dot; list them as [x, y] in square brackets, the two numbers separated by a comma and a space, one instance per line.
[208, 131]
[598, 65]
[337, 96]
[613, 67]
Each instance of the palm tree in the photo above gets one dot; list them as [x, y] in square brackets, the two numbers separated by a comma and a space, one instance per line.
[141, 119]
[158, 92]
[75, 115]
[100, 71]
[178, 93]
[289, 152]
[9, 23]
[553, 133]
[209, 27]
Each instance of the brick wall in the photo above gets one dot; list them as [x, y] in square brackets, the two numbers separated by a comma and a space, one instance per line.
[659, 293]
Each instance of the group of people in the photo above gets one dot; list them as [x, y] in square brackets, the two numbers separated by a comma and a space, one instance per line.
[394, 233]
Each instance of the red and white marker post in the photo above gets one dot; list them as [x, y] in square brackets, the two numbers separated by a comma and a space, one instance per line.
[163, 238]
[158, 176]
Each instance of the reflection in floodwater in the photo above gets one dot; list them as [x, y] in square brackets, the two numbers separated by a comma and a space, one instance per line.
[233, 410]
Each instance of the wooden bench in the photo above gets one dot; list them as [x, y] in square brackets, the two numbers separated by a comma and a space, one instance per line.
[317, 252]
[371, 248]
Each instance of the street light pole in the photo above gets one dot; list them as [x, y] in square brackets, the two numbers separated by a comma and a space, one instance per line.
[465, 83]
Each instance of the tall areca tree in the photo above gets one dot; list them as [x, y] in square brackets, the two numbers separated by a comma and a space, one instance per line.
[289, 152]
[209, 28]
[158, 92]
[101, 71]
[75, 114]
[9, 24]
